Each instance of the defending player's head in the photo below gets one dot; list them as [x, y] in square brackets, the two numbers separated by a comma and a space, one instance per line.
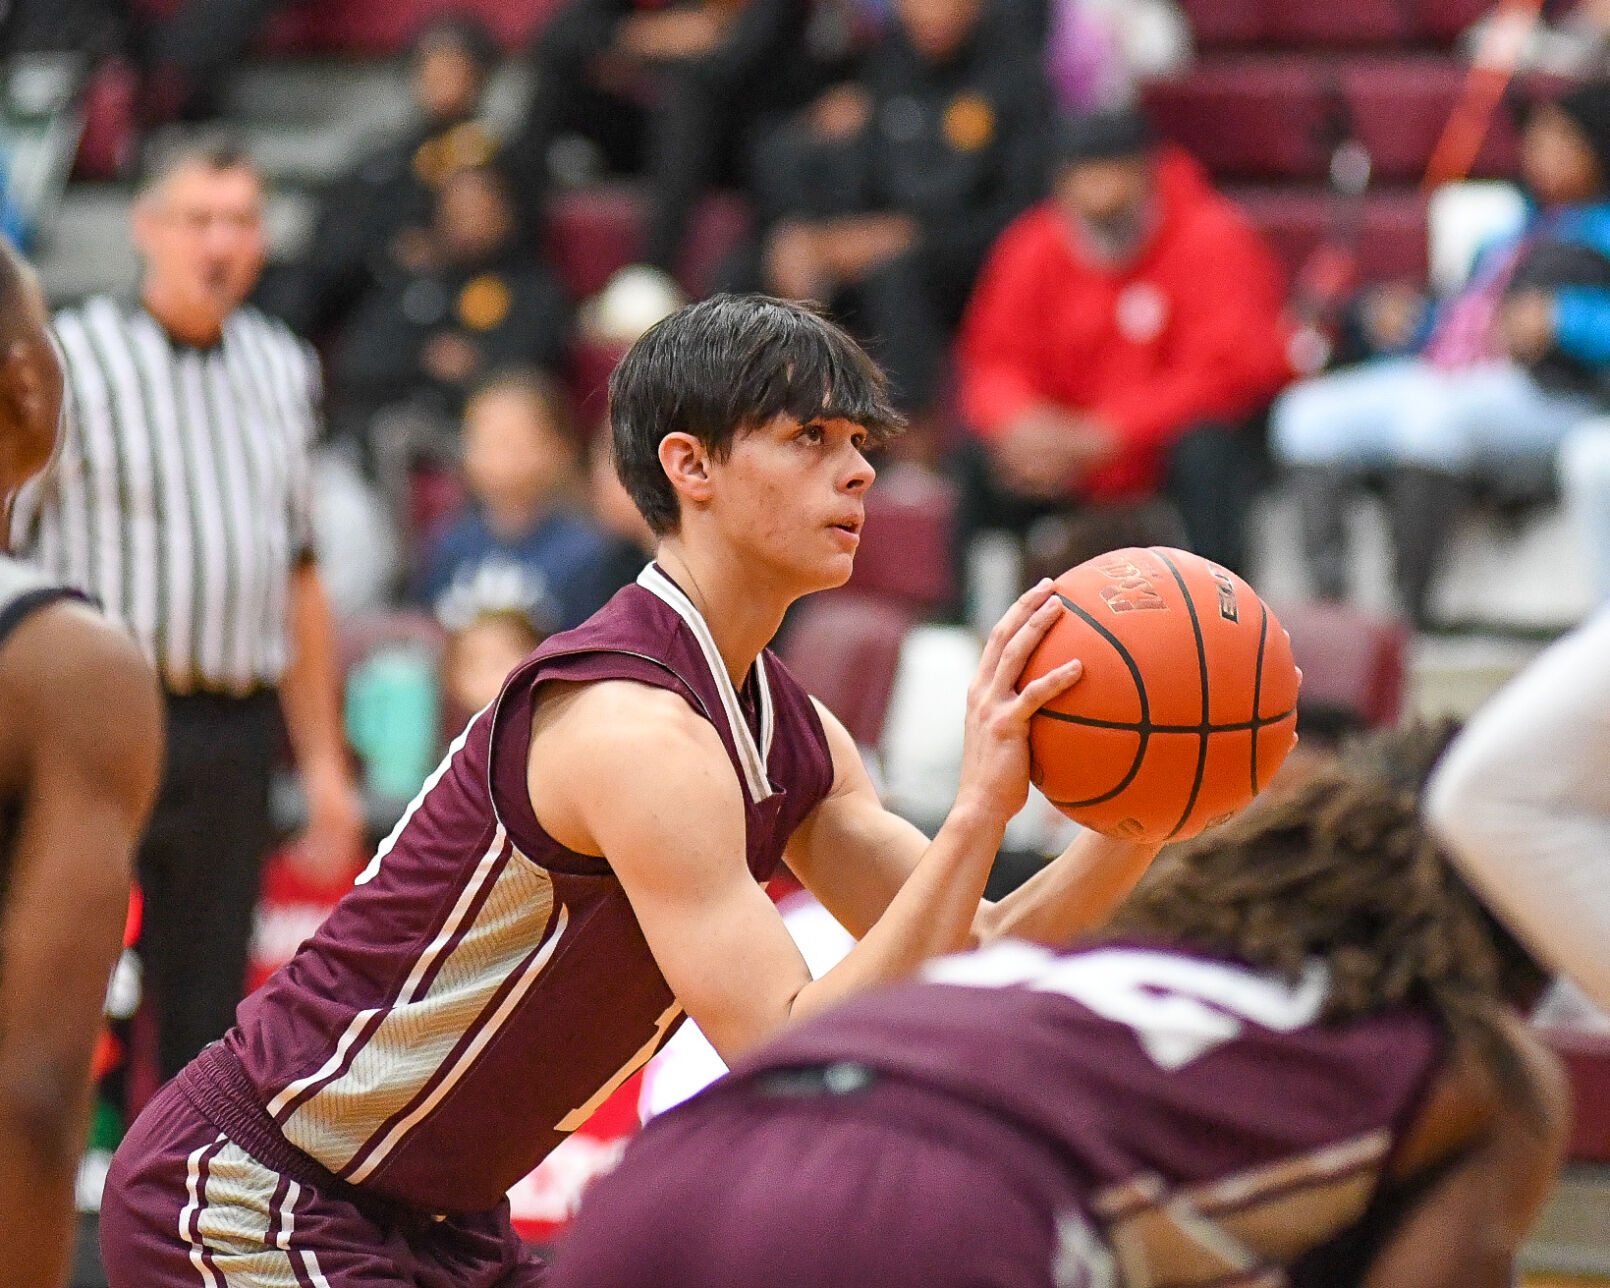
[30, 381]
[723, 368]
[1341, 868]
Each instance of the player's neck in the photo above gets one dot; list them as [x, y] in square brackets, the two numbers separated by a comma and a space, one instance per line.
[742, 615]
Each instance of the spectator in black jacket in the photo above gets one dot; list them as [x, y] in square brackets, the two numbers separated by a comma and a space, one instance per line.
[391, 191]
[884, 196]
[449, 308]
[671, 90]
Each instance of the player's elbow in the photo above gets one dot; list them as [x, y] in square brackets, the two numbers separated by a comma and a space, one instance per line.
[42, 1111]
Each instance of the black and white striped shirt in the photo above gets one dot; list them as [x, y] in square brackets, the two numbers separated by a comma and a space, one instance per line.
[182, 496]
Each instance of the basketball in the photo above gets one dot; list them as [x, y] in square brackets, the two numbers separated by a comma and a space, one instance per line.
[1187, 705]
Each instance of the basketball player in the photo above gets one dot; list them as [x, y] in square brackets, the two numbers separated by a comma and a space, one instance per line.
[79, 749]
[1291, 1058]
[586, 865]
[1524, 804]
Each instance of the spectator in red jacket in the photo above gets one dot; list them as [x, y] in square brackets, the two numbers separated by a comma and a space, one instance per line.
[1121, 336]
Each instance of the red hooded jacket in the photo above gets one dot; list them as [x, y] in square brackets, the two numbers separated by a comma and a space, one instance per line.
[1189, 330]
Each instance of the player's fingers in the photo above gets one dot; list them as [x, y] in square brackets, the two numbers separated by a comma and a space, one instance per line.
[1038, 692]
[1022, 609]
[1015, 655]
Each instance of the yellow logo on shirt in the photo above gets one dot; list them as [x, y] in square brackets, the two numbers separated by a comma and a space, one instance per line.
[969, 122]
[484, 302]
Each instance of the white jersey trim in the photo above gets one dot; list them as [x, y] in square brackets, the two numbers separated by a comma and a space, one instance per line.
[752, 758]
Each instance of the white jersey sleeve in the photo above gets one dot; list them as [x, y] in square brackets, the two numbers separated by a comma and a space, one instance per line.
[1522, 800]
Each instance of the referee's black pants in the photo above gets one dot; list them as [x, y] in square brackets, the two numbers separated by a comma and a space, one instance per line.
[201, 863]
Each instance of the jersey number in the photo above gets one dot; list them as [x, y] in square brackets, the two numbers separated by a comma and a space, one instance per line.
[1179, 1008]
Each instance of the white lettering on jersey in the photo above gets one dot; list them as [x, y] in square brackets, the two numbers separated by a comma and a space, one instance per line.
[1178, 1007]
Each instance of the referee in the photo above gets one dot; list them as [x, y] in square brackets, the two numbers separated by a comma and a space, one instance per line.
[181, 502]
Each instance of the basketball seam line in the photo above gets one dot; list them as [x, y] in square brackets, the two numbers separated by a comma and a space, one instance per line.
[1138, 726]
[1201, 658]
[1257, 687]
[1140, 692]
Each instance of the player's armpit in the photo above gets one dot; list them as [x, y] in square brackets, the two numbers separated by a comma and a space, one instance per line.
[1491, 1151]
[632, 773]
[82, 707]
[851, 852]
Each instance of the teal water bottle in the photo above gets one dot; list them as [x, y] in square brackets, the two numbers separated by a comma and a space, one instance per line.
[393, 715]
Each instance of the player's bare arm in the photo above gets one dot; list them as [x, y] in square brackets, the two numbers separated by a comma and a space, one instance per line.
[856, 856]
[635, 775]
[1490, 1152]
[81, 745]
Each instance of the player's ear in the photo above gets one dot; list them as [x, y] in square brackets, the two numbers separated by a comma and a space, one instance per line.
[686, 463]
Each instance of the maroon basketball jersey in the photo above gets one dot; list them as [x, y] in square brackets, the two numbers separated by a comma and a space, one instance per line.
[482, 989]
[1216, 1128]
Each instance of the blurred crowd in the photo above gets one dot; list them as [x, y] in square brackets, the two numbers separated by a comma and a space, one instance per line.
[1094, 346]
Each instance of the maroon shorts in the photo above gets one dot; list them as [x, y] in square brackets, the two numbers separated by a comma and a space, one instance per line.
[890, 1186]
[185, 1207]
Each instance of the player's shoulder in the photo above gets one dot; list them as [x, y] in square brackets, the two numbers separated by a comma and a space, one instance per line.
[74, 677]
[623, 716]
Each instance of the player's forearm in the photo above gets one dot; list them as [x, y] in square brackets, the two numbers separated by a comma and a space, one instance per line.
[931, 914]
[1523, 801]
[43, 1117]
[1074, 893]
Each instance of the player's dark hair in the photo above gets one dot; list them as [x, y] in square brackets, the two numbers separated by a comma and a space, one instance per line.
[728, 365]
[1340, 868]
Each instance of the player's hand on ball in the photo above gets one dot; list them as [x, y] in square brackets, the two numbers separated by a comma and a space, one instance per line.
[995, 753]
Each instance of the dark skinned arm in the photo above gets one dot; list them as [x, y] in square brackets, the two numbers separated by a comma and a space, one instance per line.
[80, 739]
[1465, 1228]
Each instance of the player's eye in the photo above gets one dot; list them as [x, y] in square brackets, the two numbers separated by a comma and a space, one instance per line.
[811, 434]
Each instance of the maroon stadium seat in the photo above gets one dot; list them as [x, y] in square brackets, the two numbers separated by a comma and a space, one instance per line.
[844, 648]
[1218, 23]
[592, 232]
[377, 28]
[1587, 1060]
[1330, 24]
[1249, 117]
[1444, 20]
[1400, 106]
[1352, 663]
[1392, 243]
[907, 547]
[719, 225]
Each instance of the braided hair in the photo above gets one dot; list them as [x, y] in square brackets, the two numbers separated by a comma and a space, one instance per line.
[1340, 868]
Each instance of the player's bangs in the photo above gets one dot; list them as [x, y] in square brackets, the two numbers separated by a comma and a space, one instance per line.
[816, 373]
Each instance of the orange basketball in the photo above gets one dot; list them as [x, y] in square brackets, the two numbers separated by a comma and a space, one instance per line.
[1187, 705]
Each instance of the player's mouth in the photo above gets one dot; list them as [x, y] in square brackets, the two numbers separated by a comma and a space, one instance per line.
[850, 530]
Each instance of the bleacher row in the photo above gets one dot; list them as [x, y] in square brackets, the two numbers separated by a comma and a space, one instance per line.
[1277, 85]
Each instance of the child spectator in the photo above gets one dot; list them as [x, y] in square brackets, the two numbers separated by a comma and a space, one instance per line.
[492, 622]
[520, 467]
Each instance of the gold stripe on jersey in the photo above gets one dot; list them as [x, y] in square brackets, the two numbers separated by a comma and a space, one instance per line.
[1231, 1231]
[416, 1036]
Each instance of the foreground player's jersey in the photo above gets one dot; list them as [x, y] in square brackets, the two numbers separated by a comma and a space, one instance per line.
[483, 989]
[22, 591]
[1217, 1129]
